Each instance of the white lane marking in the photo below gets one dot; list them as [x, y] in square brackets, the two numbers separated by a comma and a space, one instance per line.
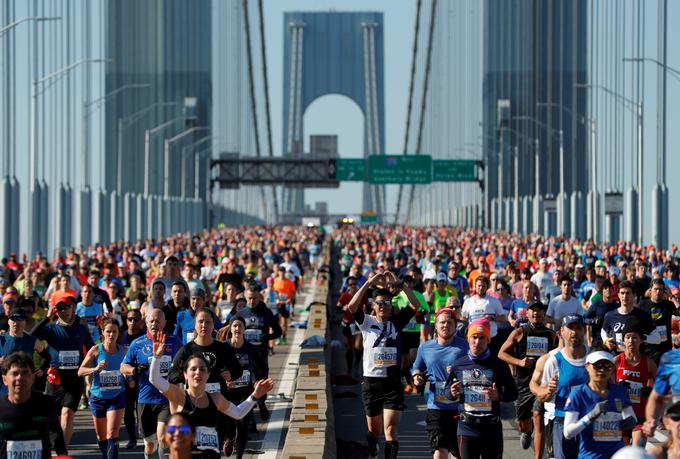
[276, 424]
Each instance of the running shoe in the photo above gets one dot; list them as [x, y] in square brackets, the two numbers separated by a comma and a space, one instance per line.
[284, 340]
[83, 404]
[525, 440]
[279, 341]
[131, 444]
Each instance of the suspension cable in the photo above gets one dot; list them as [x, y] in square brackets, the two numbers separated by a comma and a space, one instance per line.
[410, 100]
[423, 102]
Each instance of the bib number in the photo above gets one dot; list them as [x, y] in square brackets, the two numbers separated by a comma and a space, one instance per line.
[384, 357]
[663, 332]
[69, 360]
[244, 380]
[253, 336]
[166, 363]
[213, 387]
[607, 427]
[206, 439]
[634, 391]
[25, 449]
[476, 399]
[536, 346]
[440, 392]
[110, 380]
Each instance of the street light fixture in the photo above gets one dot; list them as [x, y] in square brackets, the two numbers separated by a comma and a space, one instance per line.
[166, 160]
[12, 25]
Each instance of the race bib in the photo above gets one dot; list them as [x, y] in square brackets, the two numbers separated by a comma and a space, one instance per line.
[253, 336]
[244, 380]
[607, 427]
[166, 363]
[618, 338]
[212, 387]
[25, 449]
[476, 399]
[440, 392]
[190, 336]
[283, 297]
[206, 439]
[663, 332]
[69, 360]
[384, 357]
[536, 346]
[110, 380]
[634, 391]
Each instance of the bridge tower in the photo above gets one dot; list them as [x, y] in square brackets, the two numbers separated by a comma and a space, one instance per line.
[334, 53]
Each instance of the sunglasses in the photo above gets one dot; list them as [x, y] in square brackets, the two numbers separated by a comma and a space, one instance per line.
[674, 416]
[383, 303]
[603, 366]
[134, 319]
[183, 429]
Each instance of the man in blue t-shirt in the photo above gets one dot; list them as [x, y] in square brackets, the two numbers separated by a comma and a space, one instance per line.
[667, 383]
[598, 412]
[89, 310]
[434, 362]
[152, 405]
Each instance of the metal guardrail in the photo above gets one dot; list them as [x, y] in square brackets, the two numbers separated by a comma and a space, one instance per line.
[311, 432]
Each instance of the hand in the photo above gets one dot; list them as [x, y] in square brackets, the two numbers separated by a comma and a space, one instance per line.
[528, 362]
[600, 408]
[262, 387]
[158, 343]
[609, 343]
[38, 373]
[100, 366]
[456, 390]
[649, 427]
[493, 393]
[552, 385]
[418, 380]
[226, 375]
[142, 368]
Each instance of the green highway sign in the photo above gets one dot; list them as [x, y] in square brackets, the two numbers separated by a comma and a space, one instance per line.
[350, 169]
[454, 170]
[399, 169]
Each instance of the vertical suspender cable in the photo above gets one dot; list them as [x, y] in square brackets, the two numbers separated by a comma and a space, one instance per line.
[263, 50]
[410, 100]
[253, 104]
[423, 102]
[369, 106]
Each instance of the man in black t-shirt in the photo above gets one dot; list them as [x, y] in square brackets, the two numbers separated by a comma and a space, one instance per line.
[661, 311]
[594, 316]
[614, 321]
[28, 420]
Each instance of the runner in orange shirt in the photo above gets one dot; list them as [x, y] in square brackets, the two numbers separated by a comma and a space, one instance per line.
[285, 289]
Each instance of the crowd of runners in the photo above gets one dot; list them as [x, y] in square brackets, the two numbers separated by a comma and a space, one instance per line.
[579, 336]
[171, 339]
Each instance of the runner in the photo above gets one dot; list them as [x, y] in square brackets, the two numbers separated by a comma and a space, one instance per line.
[671, 449]
[594, 316]
[564, 304]
[434, 362]
[27, 418]
[184, 328]
[480, 382]
[107, 399]
[661, 311]
[666, 385]
[67, 337]
[563, 371]
[518, 309]
[522, 349]
[382, 390]
[636, 372]
[285, 288]
[481, 305]
[180, 435]
[89, 310]
[614, 321]
[135, 329]
[152, 406]
[350, 330]
[202, 408]
[597, 412]
[239, 389]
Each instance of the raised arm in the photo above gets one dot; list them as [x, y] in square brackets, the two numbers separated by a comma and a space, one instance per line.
[172, 391]
[358, 296]
[241, 410]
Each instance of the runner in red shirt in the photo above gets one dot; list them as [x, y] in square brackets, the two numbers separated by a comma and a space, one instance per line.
[637, 372]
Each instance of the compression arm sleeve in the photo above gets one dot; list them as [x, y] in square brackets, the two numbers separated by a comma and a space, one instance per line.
[573, 425]
[155, 377]
[239, 411]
